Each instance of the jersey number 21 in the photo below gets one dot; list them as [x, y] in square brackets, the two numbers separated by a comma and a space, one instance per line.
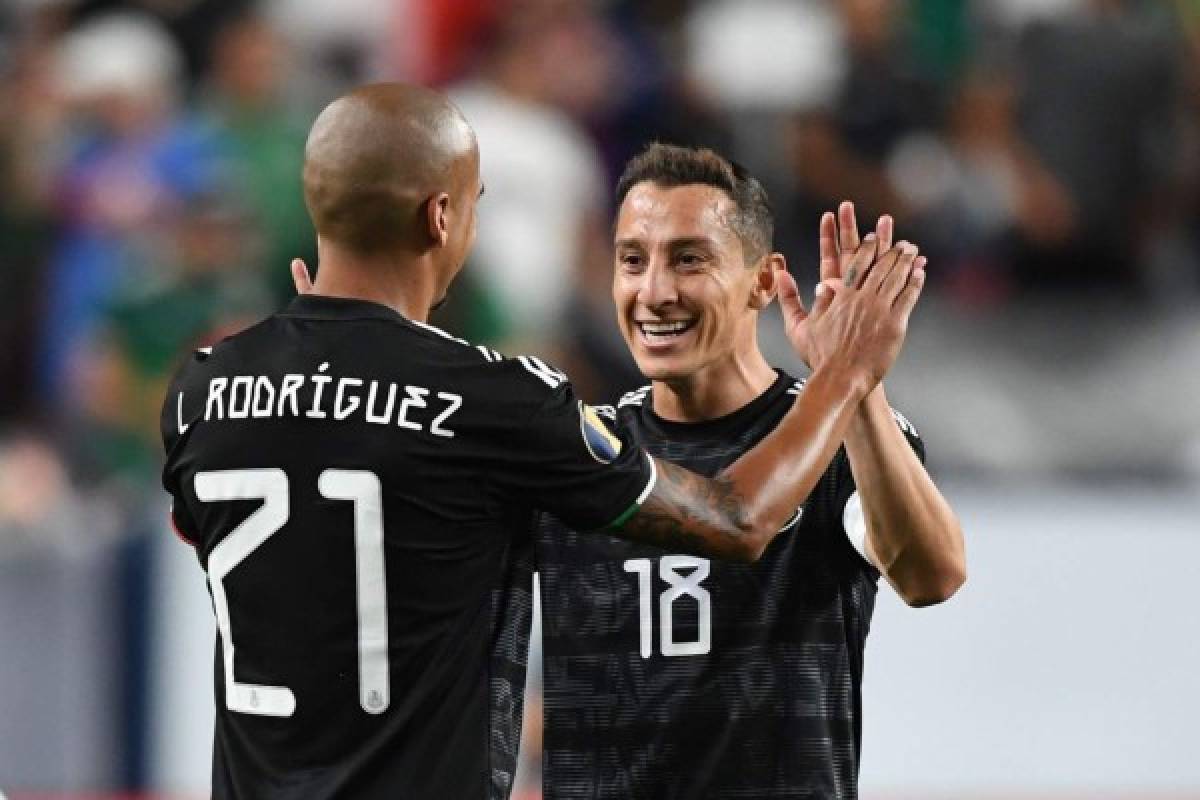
[359, 487]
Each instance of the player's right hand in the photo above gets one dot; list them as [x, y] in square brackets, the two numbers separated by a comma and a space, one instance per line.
[859, 322]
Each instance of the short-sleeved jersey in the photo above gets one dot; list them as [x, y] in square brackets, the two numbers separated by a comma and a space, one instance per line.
[359, 489]
[671, 676]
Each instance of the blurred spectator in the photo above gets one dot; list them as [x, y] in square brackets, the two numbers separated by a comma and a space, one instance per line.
[766, 54]
[245, 99]
[40, 509]
[941, 37]
[192, 24]
[1016, 14]
[437, 41]
[211, 294]
[336, 43]
[980, 190]
[1098, 89]
[134, 161]
[1173, 257]
[544, 184]
[28, 142]
[654, 95]
[840, 147]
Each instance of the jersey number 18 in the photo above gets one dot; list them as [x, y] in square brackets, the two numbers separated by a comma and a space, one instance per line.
[680, 585]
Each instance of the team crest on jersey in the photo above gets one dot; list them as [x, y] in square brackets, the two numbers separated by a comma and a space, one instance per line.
[601, 442]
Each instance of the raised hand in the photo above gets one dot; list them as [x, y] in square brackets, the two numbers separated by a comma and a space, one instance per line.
[839, 243]
[859, 322]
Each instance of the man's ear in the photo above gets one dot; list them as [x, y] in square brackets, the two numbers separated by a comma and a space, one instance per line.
[437, 222]
[765, 286]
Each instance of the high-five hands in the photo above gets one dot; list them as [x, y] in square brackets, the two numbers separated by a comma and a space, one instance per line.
[867, 291]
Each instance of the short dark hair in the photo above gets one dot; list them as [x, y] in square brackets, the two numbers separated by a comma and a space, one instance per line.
[669, 165]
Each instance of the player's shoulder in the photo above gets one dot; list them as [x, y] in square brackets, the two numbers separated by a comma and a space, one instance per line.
[224, 353]
[195, 366]
[456, 345]
[523, 365]
[516, 370]
[520, 378]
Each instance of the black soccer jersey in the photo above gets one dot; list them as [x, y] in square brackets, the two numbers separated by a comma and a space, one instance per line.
[671, 676]
[358, 489]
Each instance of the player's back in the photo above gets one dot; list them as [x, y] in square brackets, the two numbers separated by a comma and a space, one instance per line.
[354, 484]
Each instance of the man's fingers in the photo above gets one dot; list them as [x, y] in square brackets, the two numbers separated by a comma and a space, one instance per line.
[823, 297]
[883, 266]
[300, 277]
[789, 297]
[848, 239]
[884, 229]
[829, 247]
[891, 283]
[907, 300]
[860, 266]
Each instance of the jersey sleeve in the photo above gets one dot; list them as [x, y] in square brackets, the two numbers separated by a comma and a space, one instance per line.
[566, 458]
[849, 504]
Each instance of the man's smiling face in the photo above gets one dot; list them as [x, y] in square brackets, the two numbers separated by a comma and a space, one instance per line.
[681, 284]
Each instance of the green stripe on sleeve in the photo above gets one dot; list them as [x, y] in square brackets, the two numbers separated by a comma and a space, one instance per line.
[625, 515]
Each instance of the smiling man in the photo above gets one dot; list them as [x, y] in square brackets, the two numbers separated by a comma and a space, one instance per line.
[672, 676]
[359, 485]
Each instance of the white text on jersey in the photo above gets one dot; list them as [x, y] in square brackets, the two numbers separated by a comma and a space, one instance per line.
[341, 399]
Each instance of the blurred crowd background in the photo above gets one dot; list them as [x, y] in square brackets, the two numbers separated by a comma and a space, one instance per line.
[1044, 153]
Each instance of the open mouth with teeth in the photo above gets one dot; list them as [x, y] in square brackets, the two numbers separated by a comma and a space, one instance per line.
[666, 331]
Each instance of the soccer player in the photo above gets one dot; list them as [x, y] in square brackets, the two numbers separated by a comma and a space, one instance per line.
[356, 483]
[671, 676]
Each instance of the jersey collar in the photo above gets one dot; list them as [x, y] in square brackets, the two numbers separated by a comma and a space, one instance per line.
[731, 424]
[318, 306]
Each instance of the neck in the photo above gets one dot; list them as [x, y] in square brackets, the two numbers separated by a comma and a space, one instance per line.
[402, 281]
[715, 390]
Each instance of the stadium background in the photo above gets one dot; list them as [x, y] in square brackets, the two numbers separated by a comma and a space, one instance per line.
[1045, 154]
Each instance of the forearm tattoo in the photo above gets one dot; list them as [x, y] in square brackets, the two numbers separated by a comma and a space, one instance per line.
[688, 513]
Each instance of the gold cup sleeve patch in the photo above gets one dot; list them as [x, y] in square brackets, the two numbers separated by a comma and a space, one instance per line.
[602, 443]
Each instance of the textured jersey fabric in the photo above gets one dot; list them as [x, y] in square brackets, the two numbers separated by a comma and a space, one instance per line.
[672, 676]
[358, 488]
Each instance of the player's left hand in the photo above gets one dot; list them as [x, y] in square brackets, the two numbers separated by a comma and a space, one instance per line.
[300, 276]
[839, 242]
